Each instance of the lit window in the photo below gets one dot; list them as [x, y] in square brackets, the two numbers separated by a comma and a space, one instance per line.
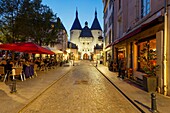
[146, 50]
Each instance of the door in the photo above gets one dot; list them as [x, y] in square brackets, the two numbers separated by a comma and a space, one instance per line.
[85, 56]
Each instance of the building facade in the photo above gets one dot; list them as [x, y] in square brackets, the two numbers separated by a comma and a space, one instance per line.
[86, 38]
[141, 25]
[60, 44]
[108, 31]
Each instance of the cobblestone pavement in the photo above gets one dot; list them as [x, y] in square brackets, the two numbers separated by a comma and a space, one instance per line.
[82, 90]
[27, 90]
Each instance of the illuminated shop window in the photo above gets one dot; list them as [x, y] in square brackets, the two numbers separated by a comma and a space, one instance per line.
[146, 51]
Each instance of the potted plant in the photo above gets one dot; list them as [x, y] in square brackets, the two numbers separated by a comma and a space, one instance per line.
[149, 66]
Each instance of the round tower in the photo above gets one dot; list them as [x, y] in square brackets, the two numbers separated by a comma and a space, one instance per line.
[96, 28]
[75, 30]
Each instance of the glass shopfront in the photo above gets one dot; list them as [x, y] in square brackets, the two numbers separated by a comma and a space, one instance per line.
[146, 52]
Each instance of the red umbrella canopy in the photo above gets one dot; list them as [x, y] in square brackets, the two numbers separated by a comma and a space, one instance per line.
[30, 47]
[27, 47]
[8, 46]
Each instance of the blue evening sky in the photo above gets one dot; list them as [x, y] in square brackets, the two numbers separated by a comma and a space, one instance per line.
[66, 10]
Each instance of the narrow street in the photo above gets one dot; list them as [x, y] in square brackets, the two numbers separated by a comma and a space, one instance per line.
[82, 90]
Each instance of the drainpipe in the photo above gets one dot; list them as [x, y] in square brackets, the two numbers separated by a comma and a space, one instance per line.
[165, 47]
[113, 52]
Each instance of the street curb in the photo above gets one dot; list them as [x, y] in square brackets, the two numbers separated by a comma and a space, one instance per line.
[121, 91]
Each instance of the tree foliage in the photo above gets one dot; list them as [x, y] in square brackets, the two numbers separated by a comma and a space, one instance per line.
[23, 20]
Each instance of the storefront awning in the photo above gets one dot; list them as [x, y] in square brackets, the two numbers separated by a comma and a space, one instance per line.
[138, 30]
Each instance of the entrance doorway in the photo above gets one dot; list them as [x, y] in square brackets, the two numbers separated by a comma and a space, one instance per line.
[85, 56]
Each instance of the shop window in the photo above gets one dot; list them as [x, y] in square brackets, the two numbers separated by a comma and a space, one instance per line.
[146, 50]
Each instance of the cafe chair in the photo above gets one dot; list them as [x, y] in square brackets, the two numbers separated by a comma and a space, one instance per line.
[35, 69]
[129, 72]
[2, 73]
[18, 71]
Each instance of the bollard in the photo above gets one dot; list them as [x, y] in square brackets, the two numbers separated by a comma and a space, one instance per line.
[73, 62]
[13, 88]
[153, 103]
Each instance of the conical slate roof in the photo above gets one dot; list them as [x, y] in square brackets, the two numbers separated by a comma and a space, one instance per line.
[76, 25]
[61, 26]
[58, 24]
[72, 45]
[86, 32]
[95, 24]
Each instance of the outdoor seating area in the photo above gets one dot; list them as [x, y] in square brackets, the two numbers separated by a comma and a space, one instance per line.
[18, 61]
[24, 69]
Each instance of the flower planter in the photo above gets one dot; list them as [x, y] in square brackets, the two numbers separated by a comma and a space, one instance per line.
[150, 83]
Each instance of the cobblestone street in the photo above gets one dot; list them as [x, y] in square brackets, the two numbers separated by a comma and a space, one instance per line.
[82, 90]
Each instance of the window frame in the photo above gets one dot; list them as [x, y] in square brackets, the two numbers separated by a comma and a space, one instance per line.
[145, 7]
[139, 68]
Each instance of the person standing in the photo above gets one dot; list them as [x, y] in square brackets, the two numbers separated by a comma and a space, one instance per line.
[120, 65]
[123, 69]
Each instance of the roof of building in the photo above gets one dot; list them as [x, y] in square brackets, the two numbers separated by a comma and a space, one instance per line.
[98, 46]
[95, 24]
[86, 32]
[58, 24]
[76, 25]
[72, 45]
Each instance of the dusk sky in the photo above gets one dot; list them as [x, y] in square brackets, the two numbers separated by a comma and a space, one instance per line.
[66, 10]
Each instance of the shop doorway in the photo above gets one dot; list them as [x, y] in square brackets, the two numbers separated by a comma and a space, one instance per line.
[85, 56]
[120, 53]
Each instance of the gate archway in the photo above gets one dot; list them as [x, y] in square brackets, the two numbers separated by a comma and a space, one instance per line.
[85, 56]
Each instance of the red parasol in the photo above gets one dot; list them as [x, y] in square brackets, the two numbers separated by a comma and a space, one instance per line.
[27, 47]
[8, 46]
